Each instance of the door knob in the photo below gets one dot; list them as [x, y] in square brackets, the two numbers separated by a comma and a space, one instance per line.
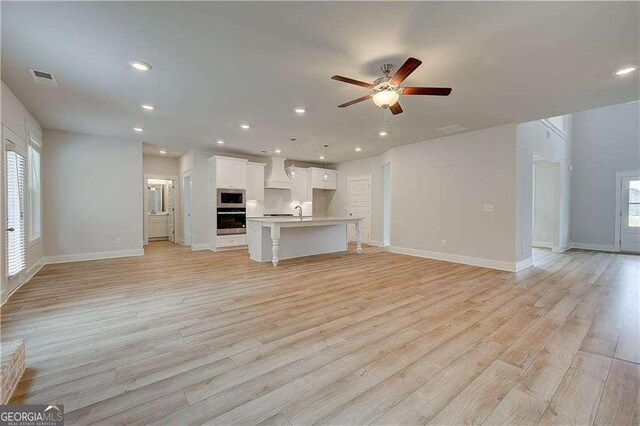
[11, 229]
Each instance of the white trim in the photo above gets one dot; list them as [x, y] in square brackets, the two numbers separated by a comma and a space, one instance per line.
[561, 249]
[456, 258]
[92, 256]
[596, 247]
[542, 244]
[524, 264]
[180, 241]
[198, 247]
[619, 176]
[375, 243]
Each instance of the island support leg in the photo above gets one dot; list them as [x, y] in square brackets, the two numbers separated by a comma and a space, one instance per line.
[359, 237]
[275, 244]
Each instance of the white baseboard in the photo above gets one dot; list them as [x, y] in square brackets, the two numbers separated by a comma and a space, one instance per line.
[562, 249]
[456, 258]
[180, 241]
[92, 256]
[375, 243]
[197, 247]
[596, 247]
[542, 244]
[524, 264]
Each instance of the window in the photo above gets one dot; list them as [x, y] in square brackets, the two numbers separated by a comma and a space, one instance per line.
[34, 191]
[634, 204]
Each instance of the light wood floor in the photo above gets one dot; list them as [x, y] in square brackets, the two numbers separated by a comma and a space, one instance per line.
[179, 337]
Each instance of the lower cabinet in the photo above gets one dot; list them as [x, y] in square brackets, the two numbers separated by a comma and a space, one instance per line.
[158, 226]
[223, 241]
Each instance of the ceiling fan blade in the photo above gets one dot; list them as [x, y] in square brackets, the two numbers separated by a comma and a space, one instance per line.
[403, 72]
[355, 101]
[433, 91]
[396, 108]
[352, 81]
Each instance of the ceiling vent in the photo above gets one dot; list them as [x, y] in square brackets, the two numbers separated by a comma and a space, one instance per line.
[449, 130]
[43, 77]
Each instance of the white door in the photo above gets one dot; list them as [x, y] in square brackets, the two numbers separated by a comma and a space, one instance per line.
[171, 211]
[359, 205]
[186, 186]
[630, 214]
[16, 259]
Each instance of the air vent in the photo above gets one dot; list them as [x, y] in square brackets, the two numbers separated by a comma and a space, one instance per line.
[449, 130]
[43, 77]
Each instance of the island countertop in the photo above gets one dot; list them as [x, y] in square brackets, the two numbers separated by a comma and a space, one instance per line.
[304, 219]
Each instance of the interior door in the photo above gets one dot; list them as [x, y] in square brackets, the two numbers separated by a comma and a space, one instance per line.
[171, 211]
[359, 205]
[630, 214]
[16, 245]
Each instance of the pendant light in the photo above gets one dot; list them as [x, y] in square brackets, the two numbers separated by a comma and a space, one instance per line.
[325, 177]
[292, 169]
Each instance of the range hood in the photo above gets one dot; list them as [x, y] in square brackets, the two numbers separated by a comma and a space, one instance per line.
[276, 177]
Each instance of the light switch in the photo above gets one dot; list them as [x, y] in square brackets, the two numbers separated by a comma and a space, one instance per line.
[489, 208]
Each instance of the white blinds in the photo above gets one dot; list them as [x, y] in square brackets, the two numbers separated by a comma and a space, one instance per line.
[16, 256]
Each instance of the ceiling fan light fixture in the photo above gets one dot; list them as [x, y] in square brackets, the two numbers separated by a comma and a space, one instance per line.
[386, 98]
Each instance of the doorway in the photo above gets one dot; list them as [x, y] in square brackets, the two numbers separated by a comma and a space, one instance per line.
[545, 221]
[187, 190]
[159, 218]
[14, 250]
[359, 205]
[628, 211]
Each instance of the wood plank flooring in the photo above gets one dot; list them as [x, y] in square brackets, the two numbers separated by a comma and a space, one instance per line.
[178, 338]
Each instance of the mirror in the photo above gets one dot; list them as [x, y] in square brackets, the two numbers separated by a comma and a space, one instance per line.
[155, 197]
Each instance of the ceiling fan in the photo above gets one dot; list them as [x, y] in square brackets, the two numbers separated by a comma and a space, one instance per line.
[387, 90]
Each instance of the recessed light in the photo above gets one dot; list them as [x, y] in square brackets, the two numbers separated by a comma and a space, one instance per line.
[278, 151]
[140, 66]
[148, 107]
[245, 126]
[300, 111]
[382, 133]
[138, 129]
[358, 149]
[220, 142]
[162, 152]
[626, 70]
[322, 157]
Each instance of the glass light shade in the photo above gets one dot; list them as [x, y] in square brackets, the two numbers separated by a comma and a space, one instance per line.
[386, 98]
[292, 171]
[325, 177]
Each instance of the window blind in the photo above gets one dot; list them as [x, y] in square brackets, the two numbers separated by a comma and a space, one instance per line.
[16, 256]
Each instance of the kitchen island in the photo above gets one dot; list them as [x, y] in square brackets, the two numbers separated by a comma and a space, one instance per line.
[276, 238]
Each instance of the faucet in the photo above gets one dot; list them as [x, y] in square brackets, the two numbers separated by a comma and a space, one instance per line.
[300, 213]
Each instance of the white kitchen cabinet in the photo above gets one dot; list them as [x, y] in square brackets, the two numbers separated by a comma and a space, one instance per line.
[317, 181]
[225, 241]
[231, 173]
[255, 181]
[301, 185]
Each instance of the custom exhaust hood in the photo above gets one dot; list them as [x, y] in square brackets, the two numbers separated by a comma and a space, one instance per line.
[275, 175]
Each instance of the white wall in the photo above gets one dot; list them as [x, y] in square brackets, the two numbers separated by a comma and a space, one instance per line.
[438, 189]
[156, 165]
[545, 223]
[606, 140]
[92, 195]
[15, 116]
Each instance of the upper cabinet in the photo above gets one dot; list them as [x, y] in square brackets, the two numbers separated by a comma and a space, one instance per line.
[255, 181]
[230, 173]
[301, 187]
[317, 181]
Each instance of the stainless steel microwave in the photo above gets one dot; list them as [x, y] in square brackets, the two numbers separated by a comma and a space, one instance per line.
[231, 198]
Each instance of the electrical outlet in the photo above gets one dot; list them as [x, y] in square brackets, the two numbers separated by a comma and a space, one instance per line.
[488, 208]
[544, 235]
[118, 240]
[443, 243]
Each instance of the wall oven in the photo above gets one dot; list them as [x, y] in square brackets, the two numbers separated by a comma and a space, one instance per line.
[232, 220]
[231, 198]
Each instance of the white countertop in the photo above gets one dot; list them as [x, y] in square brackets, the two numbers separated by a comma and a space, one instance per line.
[304, 219]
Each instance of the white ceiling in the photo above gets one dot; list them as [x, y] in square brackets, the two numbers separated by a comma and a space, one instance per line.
[216, 65]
